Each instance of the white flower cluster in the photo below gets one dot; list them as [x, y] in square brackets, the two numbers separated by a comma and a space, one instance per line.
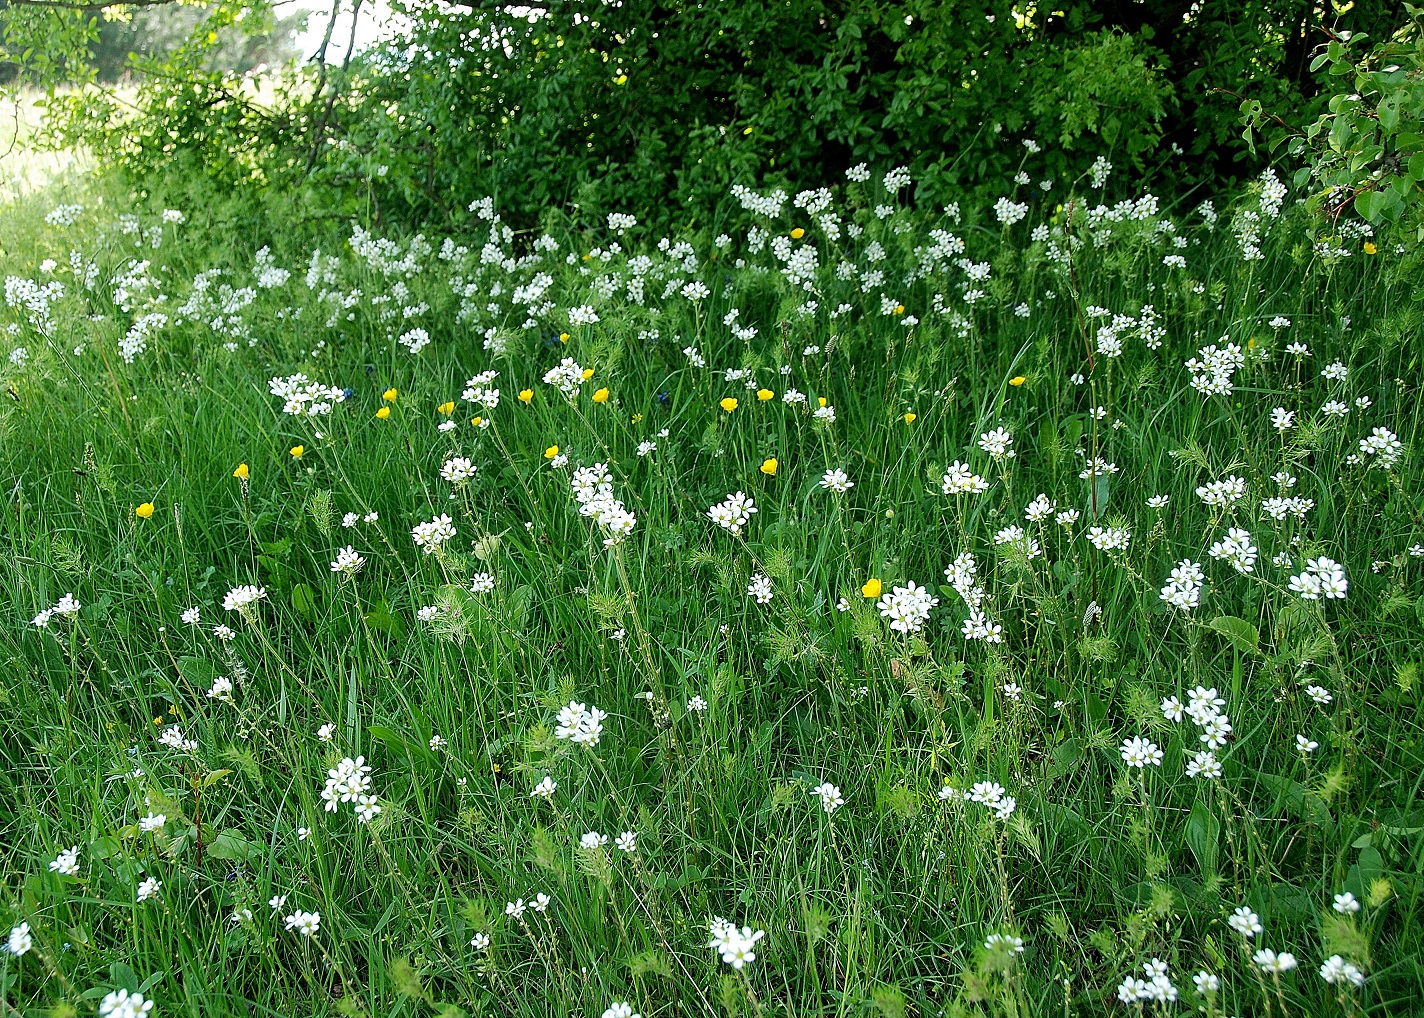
[173, 738]
[1323, 577]
[1204, 709]
[1184, 585]
[1109, 538]
[1017, 539]
[1140, 753]
[123, 1004]
[734, 945]
[567, 376]
[999, 444]
[66, 607]
[760, 589]
[734, 512]
[242, 597]
[1156, 987]
[1384, 445]
[303, 397]
[64, 215]
[769, 206]
[350, 781]
[1237, 549]
[907, 607]
[1212, 368]
[593, 489]
[580, 724]
[348, 561]
[458, 470]
[478, 390]
[962, 575]
[960, 480]
[1219, 494]
[989, 794]
[1279, 508]
[1336, 971]
[431, 534]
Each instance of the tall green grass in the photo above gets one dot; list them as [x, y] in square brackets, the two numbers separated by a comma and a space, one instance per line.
[882, 906]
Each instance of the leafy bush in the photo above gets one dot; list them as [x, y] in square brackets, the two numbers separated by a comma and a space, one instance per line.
[661, 106]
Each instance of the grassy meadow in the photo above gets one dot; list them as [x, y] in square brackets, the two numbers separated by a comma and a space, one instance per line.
[388, 629]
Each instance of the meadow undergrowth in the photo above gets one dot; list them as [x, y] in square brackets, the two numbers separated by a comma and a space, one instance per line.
[1007, 611]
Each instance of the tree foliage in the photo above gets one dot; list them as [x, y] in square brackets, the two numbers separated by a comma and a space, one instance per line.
[666, 104]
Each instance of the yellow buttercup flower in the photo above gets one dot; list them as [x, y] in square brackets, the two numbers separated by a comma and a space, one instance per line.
[297, 451]
[477, 421]
[525, 395]
[1017, 380]
[899, 309]
[587, 374]
[821, 400]
[384, 412]
[1370, 247]
[551, 452]
[389, 395]
[144, 511]
[601, 396]
[765, 394]
[242, 471]
[564, 336]
[447, 408]
[910, 417]
[797, 233]
[769, 466]
[871, 588]
[729, 404]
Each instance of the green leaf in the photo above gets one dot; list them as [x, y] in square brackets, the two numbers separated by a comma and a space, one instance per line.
[1202, 835]
[1241, 634]
[380, 617]
[213, 777]
[198, 672]
[303, 600]
[231, 845]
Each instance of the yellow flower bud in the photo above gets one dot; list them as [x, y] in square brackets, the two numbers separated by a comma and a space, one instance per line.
[1017, 380]
[242, 471]
[797, 233]
[910, 417]
[447, 408]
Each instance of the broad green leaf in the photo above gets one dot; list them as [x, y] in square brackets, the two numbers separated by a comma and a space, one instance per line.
[1241, 634]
